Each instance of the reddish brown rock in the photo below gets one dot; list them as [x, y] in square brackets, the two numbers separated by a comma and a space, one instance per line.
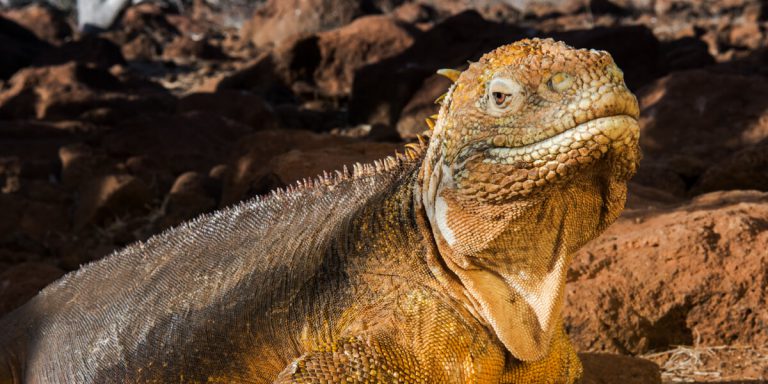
[687, 7]
[298, 165]
[366, 40]
[142, 47]
[669, 275]
[555, 8]
[703, 114]
[251, 173]
[295, 62]
[745, 169]
[191, 194]
[143, 31]
[695, 120]
[450, 44]
[421, 106]
[30, 157]
[88, 49]
[147, 18]
[278, 20]
[111, 197]
[665, 177]
[190, 141]
[12, 208]
[90, 246]
[42, 221]
[685, 53]
[10, 169]
[55, 92]
[18, 47]
[154, 174]
[241, 106]
[746, 34]
[80, 162]
[44, 21]
[488, 8]
[21, 282]
[603, 368]
[414, 13]
[185, 48]
[258, 76]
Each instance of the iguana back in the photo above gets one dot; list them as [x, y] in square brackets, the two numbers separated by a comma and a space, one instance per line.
[222, 296]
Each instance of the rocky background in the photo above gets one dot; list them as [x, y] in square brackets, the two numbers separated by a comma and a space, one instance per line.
[108, 138]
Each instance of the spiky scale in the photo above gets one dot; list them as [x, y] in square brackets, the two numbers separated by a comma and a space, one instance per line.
[430, 123]
[451, 74]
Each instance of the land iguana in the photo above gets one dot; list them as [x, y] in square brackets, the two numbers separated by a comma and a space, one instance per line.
[444, 264]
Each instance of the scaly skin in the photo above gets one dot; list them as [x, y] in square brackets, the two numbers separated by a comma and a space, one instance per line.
[445, 265]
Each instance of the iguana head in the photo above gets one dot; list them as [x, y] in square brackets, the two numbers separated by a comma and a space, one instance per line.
[528, 160]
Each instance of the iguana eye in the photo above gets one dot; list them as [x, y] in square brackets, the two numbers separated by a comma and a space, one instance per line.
[504, 96]
[499, 97]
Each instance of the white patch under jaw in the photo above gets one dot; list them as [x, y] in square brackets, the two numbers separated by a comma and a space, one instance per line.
[441, 218]
[435, 205]
[543, 295]
[441, 207]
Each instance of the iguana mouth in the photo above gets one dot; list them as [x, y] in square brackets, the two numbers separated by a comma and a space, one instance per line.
[581, 143]
[502, 173]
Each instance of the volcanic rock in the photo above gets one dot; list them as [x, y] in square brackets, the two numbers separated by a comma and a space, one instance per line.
[421, 106]
[745, 169]
[60, 91]
[447, 45]
[46, 22]
[241, 106]
[191, 141]
[18, 47]
[110, 197]
[603, 368]
[185, 48]
[252, 165]
[191, 194]
[695, 120]
[669, 275]
[298, 165]
[80, 163]
[365, 41]
[88, 49]
[21, 282]
[278, 20]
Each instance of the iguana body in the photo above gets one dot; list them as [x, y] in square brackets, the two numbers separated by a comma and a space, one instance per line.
[444, 265]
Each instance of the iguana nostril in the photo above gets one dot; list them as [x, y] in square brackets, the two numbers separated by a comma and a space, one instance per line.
[560, 82]
[614, 72]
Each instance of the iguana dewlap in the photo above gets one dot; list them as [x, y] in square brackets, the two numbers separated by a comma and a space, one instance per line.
[443, 265]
